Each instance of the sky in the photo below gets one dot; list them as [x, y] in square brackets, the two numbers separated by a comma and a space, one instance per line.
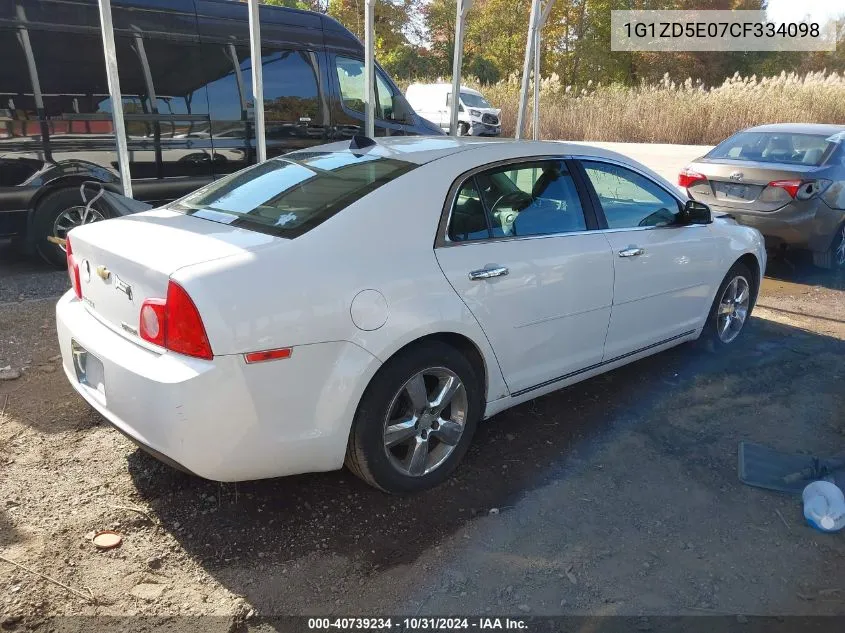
[793, 10]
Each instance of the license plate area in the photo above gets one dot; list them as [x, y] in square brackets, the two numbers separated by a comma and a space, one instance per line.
[732, 191]
[89, 371]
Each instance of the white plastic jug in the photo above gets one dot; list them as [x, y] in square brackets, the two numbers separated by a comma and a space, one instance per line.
[824, 506]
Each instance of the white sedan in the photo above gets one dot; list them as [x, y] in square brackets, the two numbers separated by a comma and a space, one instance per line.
[370, 304]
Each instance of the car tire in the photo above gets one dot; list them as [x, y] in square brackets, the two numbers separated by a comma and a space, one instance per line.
[463, 129]
[434, 438]
[731, 309]
[66, 203]
[834, 257]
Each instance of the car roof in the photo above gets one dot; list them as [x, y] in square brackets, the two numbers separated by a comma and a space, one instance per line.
[798, 128]
[424, 149]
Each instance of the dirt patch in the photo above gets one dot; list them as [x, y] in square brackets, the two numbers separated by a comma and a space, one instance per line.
[618, 495]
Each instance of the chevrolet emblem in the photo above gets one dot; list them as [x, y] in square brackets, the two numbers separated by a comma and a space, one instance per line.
[103, 272]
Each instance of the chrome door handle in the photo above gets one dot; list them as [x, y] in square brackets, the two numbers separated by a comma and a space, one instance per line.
[488, 273]
[631, 251]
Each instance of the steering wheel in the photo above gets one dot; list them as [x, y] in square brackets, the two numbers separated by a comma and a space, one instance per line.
[514, 199]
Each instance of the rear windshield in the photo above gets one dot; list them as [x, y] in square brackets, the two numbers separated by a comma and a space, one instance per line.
[290, 195]
[776, 147]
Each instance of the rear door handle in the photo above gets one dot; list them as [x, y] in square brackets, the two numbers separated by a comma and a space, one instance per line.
[488, 273]
[631, 251]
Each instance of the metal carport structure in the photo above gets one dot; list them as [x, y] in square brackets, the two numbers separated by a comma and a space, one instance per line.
[539, 13]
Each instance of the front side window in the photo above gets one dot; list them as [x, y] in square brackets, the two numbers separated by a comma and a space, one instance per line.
[629, 199]
[385, 98]
[290, 195]
[449, 102]
[474, 101]
[535, 198]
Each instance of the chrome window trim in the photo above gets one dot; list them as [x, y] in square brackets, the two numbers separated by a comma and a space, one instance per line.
[517, 238]
[648, 228]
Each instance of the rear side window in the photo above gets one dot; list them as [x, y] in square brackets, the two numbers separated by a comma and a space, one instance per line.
[289, 196]
[519, 200]
[775, 147]
[291, 91]
[469, 220]
[71, 74]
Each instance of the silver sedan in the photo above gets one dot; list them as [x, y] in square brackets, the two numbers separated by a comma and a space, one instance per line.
[786, 180]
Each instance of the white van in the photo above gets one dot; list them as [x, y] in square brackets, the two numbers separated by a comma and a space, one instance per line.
[476, 117]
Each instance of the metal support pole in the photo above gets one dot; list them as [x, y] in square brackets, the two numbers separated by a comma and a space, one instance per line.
[257, 79]
[457, 62]
[23, 37]
[107, 28]
[526, 67]
[369, 69]
[141, 52]
[538, 38]
[535, 113]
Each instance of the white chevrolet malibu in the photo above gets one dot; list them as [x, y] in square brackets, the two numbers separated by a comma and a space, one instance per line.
[370, 304]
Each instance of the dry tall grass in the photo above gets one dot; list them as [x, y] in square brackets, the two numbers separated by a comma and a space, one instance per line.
[685, 113]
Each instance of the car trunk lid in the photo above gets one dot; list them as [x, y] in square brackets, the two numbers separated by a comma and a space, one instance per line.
[127, 260]
[740, 184]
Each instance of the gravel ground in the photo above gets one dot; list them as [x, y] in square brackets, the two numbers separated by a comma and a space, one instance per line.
[22, 278]
[615, 496]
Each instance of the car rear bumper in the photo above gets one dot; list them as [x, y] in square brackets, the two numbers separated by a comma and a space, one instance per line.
[808, 225]
[221, 419]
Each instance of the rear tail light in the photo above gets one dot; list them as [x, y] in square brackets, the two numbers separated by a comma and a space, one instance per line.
[175, 324]
[185, 332]
[688, 177]
[789, 186]
[73, 270]
[801, 189]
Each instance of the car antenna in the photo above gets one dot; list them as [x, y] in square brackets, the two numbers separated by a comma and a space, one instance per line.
[359, 141]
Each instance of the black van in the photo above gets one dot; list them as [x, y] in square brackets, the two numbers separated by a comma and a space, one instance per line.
[186, 85]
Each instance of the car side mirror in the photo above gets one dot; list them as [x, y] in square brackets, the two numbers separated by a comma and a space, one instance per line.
[696, 212]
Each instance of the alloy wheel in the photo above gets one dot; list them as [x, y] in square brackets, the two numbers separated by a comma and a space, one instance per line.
[72, 217]
[425, 421]
[733, 309]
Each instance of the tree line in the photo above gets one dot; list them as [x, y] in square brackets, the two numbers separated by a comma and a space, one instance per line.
[415, 40]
